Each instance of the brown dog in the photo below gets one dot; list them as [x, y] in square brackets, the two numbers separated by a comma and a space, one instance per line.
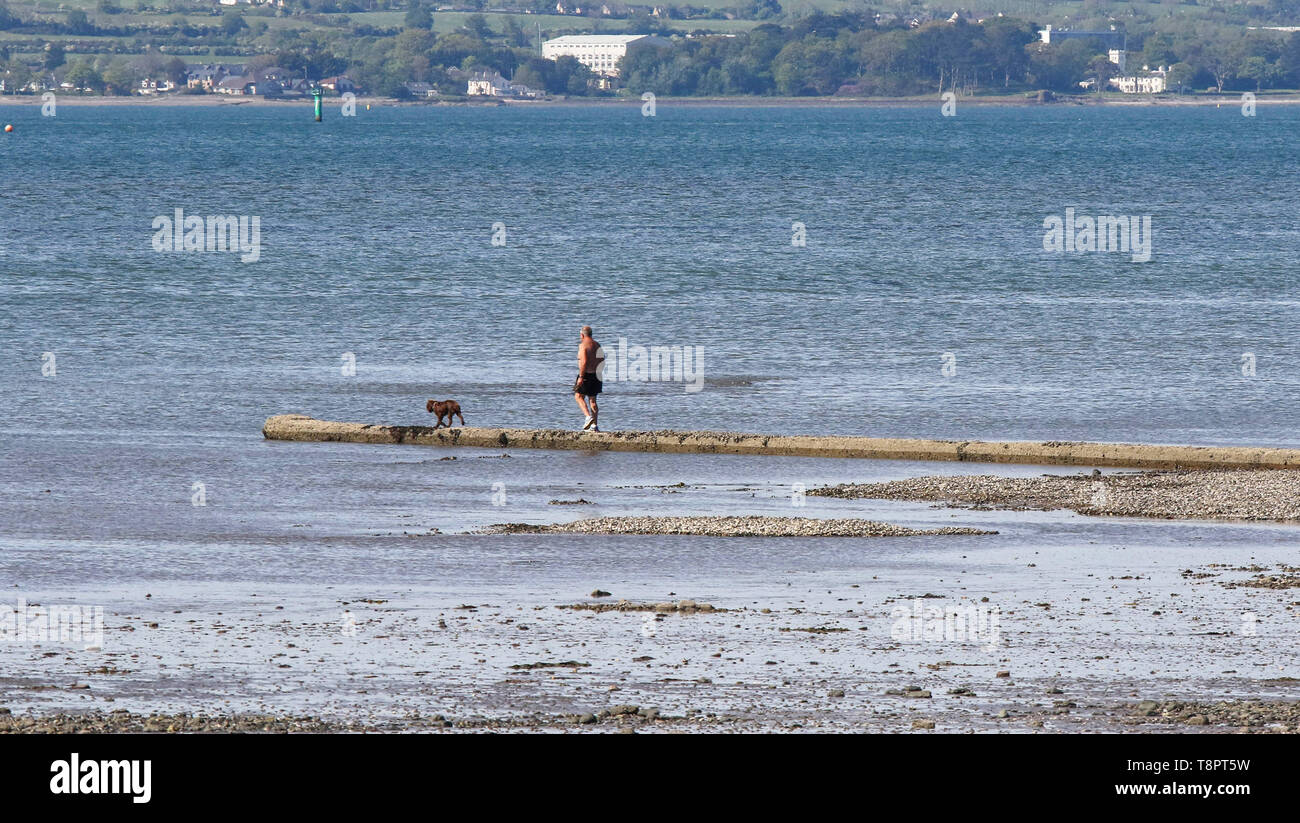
[444, 408]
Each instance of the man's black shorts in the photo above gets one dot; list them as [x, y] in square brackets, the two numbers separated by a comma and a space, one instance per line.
[587, 385]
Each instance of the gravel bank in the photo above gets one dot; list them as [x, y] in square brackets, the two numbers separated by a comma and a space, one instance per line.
[1228, 495]
[625, 718]
[1250, 716]
[1240, 716]
[753, 526]
[118, 722]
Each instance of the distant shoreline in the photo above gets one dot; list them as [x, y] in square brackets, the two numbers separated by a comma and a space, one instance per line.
[174, 100]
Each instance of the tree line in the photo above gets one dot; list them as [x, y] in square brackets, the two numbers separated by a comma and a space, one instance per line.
[847, 53]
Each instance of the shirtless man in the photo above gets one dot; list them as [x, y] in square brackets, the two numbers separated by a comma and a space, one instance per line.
[588, 385]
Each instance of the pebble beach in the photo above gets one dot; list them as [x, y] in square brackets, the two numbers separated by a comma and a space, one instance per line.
[751, 526]
[1272, 495]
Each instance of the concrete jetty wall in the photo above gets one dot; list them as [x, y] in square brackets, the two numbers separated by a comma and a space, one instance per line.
[1125, 455]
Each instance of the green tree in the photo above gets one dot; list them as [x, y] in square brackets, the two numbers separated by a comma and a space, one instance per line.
[813, 65]
[478, 26]
[232, 22]
[1289, 59]
[532, 74]
[1007, 38]
[418, 17]
[570, 77]
[120, 78]
[1059, 66]
[515, 34]
[1102, 70]
[1220, 56]
[54, 56]
[1260, 71]
[82, 75]
[759, 10]
[16, 75]
[79, 23]
[1158, 50]
[1180, 76]
[8, 19]
[175, 70]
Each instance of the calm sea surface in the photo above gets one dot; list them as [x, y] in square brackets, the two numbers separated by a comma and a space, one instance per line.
[924, 237]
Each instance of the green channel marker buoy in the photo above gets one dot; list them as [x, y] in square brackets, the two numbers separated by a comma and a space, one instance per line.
[315, 93]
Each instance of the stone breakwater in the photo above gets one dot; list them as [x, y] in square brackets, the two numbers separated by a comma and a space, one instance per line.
[303, 428]
[729, 527]
[1180, 495]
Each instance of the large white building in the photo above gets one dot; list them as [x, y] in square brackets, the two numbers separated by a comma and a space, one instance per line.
[598, 52]
[1153, 83]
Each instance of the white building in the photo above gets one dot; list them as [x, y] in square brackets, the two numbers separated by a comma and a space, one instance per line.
[598, 52]
[151, 86]
[492, 84]
[1151, 84]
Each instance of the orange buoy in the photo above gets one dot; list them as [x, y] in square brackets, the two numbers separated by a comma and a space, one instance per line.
[9, 127]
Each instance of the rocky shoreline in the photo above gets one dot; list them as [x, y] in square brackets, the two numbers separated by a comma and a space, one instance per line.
[1248, 716]
[124, 722]
[622, 718]
[751, 526]
[1240, 716]
[1181, 495]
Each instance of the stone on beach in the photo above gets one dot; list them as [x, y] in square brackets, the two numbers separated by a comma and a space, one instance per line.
[743, 526]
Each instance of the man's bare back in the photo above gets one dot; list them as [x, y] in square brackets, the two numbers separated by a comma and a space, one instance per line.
[588, 384]
[588, 357]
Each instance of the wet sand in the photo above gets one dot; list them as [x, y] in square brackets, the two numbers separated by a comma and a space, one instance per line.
[1090, 639]
[407, 623]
